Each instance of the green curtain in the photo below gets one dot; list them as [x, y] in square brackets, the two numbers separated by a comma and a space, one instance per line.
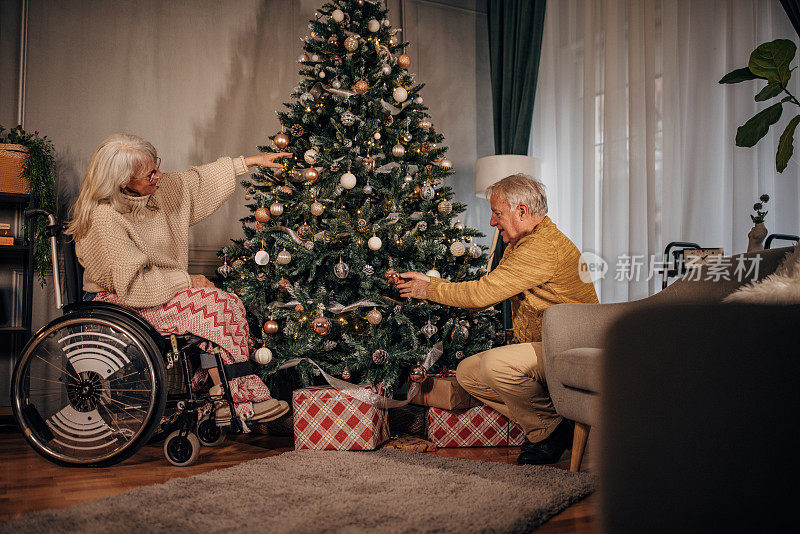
[515, 47]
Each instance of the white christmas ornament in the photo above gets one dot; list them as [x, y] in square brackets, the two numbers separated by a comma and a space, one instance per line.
[446, 164]
[367, 189]
[475, 251]
[386, 70]
[458, 225]
[374, 243]
[348, 180]
[400, 94]
[373, 25]
[314, 57]
[418, 100]
[263, 356]
[284, 257]
[276, 209]
[225, 270]
[429, 329]
[337, 15]
[262, 257]
[457, 249]
[434, 272]
[386, 23]
[310, 156]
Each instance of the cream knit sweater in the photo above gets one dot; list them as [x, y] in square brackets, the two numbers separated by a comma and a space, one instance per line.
[142, 254]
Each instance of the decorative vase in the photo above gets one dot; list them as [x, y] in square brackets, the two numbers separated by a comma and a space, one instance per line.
[755, 237]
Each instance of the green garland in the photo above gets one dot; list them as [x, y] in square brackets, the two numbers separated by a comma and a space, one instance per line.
[40, 169]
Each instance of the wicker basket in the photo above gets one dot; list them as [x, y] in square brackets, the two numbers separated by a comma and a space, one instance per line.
[11, 159]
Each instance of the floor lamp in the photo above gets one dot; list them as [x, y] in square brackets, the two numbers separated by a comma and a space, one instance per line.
[488, 171]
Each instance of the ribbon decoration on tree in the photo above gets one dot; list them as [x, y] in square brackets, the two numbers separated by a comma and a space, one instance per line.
[370, 397]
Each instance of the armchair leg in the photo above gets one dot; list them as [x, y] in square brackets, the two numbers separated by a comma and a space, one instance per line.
[579, 439]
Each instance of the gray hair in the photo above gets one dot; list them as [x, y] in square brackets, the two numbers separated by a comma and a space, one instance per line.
[521, 189]
[118, 159]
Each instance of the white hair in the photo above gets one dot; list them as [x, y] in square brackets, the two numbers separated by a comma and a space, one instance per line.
[118, 159]
[521, 189]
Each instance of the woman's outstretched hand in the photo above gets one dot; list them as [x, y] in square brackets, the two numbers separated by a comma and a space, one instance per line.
[414, 285]
[267, 159]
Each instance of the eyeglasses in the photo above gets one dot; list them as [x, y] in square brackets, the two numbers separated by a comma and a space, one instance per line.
[152, 173]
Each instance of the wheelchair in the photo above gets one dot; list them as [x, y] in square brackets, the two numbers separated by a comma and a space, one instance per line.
[96, 384]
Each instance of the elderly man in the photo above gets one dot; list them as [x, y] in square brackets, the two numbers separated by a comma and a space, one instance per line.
[540, 268]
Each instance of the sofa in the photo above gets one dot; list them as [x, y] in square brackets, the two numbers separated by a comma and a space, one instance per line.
[573, 337]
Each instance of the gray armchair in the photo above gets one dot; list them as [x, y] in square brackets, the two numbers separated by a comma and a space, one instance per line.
[573, 336]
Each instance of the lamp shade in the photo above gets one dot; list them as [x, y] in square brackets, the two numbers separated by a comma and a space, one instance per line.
[492, 169]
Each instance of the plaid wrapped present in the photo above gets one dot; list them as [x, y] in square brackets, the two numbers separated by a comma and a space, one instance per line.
[328, 419]
[477, 427]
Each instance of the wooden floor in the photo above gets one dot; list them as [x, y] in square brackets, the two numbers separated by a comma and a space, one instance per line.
[29, 483]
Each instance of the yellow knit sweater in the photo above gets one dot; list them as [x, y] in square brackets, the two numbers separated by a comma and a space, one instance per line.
[142, 255]
[540, 270]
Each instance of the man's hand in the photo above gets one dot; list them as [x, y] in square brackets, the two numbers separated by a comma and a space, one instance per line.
[267, 159]
[198, 280]
[414, 285]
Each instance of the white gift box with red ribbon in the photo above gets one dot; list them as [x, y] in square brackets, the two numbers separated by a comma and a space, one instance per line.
[480, 426]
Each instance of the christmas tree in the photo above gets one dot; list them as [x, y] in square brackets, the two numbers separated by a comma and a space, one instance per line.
[361, 200]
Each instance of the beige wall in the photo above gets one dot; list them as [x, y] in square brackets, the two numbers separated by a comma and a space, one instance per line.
[203, 78]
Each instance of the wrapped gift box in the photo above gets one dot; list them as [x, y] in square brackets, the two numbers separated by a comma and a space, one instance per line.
[444, 392]
[328, 419]
[480, 426]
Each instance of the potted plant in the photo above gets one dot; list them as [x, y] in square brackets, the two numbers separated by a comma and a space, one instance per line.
[38, 168]
[757, 234]
[770, 62]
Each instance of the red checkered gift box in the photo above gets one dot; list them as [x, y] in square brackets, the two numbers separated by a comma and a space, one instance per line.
[480, 426]
[328, 419]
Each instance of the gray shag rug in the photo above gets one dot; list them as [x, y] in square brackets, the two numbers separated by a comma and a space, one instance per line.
[331, 491]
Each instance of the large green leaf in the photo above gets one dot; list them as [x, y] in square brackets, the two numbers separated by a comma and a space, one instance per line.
[739, 75]
[771, 60]
[786, 145]
[770, 90]
[757, 127]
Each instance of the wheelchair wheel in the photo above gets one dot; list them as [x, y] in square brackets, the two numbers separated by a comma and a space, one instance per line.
[89, 388]
[209, 434]
[182, 449]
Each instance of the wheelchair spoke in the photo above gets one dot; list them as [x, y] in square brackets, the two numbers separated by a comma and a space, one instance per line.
[59, 369]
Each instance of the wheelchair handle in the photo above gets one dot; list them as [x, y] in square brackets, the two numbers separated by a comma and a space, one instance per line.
[53, 229]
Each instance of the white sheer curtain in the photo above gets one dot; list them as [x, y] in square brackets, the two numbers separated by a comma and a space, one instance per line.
[637, 136]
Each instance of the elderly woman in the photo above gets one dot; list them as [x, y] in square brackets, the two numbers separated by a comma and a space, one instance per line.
[539, 268]
[131, 229]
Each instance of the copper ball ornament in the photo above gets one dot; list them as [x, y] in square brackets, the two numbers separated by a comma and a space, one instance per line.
[262, 214]
[445, 207]
[322, 325]
[284, 257]
[380, 356]
[424, 124]
[361, 87]
[398, 150]
[271, 327]
[391, 276]
[404, 61]
[418, 374]
[311, 174]
[281, 140]
[316, 208]
[284, 284]
[373, 25]
[337, 15]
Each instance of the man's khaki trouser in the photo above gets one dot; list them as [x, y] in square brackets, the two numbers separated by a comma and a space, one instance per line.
[510, 379]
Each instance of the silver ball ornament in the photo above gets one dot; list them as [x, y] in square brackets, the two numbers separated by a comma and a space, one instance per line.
[400, 94]
[386, 70]
[458, 225]
[225, 270]
[446, 163]
[367, 189]
[373, 25]
[475, 251]
[428, 192]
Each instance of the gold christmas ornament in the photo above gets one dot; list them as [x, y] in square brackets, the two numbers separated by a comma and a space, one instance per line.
[391, 276]
[281, 140]
[361, 87]
[418, 374]
[373, 25]
[311, 174]
[457, 249]
[322, 325]
[271, 327]
[262, 214]
[374, 316]
[316, 208]
[398, 150]
[284, 257]
[337, 15]
[380, 356]
[404, 60]
[351, 44]
[276, 209]
[424, 124]
[445, 207]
